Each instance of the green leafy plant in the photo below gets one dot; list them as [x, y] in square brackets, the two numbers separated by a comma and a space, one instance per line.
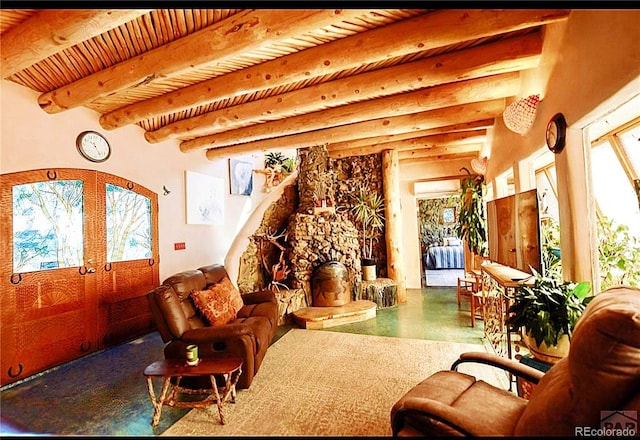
[278, 161]
[472, 223]
[550, 245]
[548, 308]
[618, 254]
[368, 210]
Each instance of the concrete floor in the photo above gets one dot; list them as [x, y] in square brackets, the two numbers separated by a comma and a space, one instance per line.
[104, 394]
[430, 313]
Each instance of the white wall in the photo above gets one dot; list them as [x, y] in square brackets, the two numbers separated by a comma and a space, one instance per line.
[597, 68]
[32, 139]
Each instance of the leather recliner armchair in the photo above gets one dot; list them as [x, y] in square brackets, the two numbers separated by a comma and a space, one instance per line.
[600, 373]
[179, 323]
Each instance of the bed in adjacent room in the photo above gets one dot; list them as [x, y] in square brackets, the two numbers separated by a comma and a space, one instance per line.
[450, 256]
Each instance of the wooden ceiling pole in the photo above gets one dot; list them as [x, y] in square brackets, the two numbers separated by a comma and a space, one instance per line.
[344, 149]
[212, 45]
[510, 55]
[462, 137]
[442, 157]
[440, 144]
[441, 150]
[482, 89]
[393, 222]
[423, 143]
[378, 127]
[435, 29]
[53, 30]
[418, 152]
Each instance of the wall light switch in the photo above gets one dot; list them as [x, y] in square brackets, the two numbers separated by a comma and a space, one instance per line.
[179, 246]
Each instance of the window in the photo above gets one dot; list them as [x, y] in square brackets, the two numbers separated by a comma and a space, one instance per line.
[128, 224]
[615, 169]
[48, 225]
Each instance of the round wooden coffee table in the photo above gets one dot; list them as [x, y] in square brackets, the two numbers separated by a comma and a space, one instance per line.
[229, 368]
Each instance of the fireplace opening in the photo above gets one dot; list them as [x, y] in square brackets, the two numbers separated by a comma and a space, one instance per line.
[330, 285]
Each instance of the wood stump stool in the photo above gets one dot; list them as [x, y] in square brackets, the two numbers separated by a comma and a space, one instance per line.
[382, 291]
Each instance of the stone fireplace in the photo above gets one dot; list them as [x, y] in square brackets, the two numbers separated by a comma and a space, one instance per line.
[324, 236]
[318, 239]
[324, 250]
[315, 224]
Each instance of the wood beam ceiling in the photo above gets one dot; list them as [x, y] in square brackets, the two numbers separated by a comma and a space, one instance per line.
[233, 82]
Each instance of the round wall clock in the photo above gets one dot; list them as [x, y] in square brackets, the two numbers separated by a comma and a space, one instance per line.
[93, 146]
[556, 133]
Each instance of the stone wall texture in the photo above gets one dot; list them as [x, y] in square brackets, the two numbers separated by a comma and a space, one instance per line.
[317, 239]
[313, 238]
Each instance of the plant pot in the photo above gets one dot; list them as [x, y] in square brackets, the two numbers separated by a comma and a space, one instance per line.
[550, 355]
[368, 269]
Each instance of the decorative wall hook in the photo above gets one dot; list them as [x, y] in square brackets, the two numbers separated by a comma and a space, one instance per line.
[165, 191]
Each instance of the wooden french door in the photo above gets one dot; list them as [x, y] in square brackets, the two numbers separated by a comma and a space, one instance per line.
[79, 253]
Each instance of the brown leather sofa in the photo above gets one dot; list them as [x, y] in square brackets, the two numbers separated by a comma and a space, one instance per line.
[179, 323]
[600, 373]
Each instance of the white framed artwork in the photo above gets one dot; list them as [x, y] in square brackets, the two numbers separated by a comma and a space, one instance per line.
[204, 199]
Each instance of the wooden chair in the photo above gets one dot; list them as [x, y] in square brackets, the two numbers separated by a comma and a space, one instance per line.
[470, 286]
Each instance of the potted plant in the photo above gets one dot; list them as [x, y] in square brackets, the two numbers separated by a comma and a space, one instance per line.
[472, 224]
[368, 210]
[277, 167]
[547, 310]
[278, 162]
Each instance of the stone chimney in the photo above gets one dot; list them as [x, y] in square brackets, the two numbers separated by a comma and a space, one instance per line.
[323, 236]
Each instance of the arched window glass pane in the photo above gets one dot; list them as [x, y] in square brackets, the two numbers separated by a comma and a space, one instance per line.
[547, 200]
[612, 189]
[128, 224]
[47, 225]
[552, 172]
[631, 143]
[549, 224]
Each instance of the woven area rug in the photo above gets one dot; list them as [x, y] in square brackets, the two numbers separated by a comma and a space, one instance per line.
[319, 383]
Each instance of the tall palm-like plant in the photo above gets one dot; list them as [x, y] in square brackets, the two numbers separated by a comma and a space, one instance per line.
[472, 224]
[368, 210]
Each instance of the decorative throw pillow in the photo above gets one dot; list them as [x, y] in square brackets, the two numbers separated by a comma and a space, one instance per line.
[219, 303]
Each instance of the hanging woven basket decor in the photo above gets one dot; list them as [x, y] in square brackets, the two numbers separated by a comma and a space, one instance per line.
[479, 165]
[519, 115]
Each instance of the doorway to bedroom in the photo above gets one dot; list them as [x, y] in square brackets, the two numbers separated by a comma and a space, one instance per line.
[442, 254]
